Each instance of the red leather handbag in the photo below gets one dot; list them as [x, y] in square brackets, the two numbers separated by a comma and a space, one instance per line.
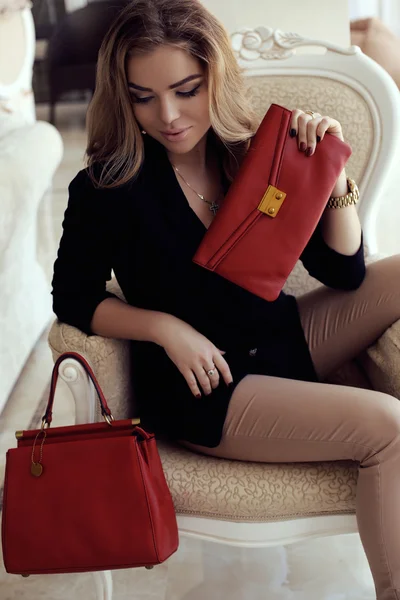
[272, 207]
[85, 497]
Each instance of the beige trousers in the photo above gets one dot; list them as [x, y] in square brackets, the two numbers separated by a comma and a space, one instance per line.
[280, 420]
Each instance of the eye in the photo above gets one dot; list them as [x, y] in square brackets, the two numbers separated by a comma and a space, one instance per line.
[138, 100]
[191, 93]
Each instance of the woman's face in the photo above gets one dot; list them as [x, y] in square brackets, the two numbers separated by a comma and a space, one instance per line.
[170, 97]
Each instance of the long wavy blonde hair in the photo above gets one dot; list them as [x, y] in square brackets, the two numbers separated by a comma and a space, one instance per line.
[114, 138]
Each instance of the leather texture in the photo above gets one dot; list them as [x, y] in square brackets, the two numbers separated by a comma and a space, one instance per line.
[101, 502]
[251, 248]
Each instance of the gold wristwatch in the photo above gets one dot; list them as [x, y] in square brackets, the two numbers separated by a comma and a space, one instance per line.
[350, 198]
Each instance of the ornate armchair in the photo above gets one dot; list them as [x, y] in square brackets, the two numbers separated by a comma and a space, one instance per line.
[253, 504]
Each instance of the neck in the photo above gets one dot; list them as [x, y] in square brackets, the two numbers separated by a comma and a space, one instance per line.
[195, 159]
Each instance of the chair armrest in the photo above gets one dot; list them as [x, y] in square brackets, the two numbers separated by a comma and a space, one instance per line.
[109, 359]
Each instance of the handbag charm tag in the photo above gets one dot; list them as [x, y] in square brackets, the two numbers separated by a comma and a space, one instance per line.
[36, 466]
[36, 469]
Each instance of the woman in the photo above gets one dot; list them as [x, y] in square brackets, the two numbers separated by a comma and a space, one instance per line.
[216, 367]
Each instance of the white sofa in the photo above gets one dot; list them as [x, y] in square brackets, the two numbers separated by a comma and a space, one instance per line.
[30, 152]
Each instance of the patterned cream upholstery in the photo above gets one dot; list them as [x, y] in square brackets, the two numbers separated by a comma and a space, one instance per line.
[259, 492]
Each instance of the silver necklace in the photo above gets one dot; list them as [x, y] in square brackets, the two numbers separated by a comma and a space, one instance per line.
[213, 206]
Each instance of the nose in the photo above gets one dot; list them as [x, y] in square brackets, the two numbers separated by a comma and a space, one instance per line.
[169, 110]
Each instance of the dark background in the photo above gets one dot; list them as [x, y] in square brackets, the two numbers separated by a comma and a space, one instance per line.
[46, 13]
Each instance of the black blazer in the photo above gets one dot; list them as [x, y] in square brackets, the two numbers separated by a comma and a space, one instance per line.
[146, 232]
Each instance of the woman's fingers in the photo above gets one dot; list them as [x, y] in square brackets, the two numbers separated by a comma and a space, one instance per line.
[213, 375]
[294, 123]
[311, 129]
[203, 379]
[206, 376]
[323, 126]
[316, 129]
[223, 368]
[192, 382]
[303, 140]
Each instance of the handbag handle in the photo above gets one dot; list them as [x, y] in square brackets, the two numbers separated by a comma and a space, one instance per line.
[48, 415]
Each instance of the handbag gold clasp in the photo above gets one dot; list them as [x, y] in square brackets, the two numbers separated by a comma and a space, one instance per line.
[108, 419]
[272, 201]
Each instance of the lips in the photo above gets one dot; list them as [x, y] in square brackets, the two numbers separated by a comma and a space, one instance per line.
[173, 131]
[175, 135]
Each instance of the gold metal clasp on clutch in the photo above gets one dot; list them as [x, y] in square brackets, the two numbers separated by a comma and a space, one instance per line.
[272, 201]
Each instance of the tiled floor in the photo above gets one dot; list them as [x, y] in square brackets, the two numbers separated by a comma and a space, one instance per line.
[324, 569]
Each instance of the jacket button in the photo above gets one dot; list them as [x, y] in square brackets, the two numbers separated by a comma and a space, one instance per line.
[253, 352]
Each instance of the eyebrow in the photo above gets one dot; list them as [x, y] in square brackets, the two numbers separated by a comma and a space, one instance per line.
[171, 87]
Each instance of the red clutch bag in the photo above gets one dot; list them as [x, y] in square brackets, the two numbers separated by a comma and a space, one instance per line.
[272, 208]
[86, 497]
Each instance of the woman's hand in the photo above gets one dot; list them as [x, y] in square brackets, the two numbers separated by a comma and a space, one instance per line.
[311, 129]
[194, 355]
[341, 229]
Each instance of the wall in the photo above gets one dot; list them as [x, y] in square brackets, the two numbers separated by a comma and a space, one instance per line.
[311, 18]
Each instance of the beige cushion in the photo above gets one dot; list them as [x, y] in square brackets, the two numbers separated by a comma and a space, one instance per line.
[230, 490]
[379, 42]
[382, 361]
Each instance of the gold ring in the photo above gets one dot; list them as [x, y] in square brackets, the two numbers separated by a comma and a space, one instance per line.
[310, 112]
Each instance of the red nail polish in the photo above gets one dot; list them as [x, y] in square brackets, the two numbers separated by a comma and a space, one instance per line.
[309, 151]
[303, 147]
[198, 396]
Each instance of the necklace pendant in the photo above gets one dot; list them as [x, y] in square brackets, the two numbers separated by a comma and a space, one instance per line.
[214, 208]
